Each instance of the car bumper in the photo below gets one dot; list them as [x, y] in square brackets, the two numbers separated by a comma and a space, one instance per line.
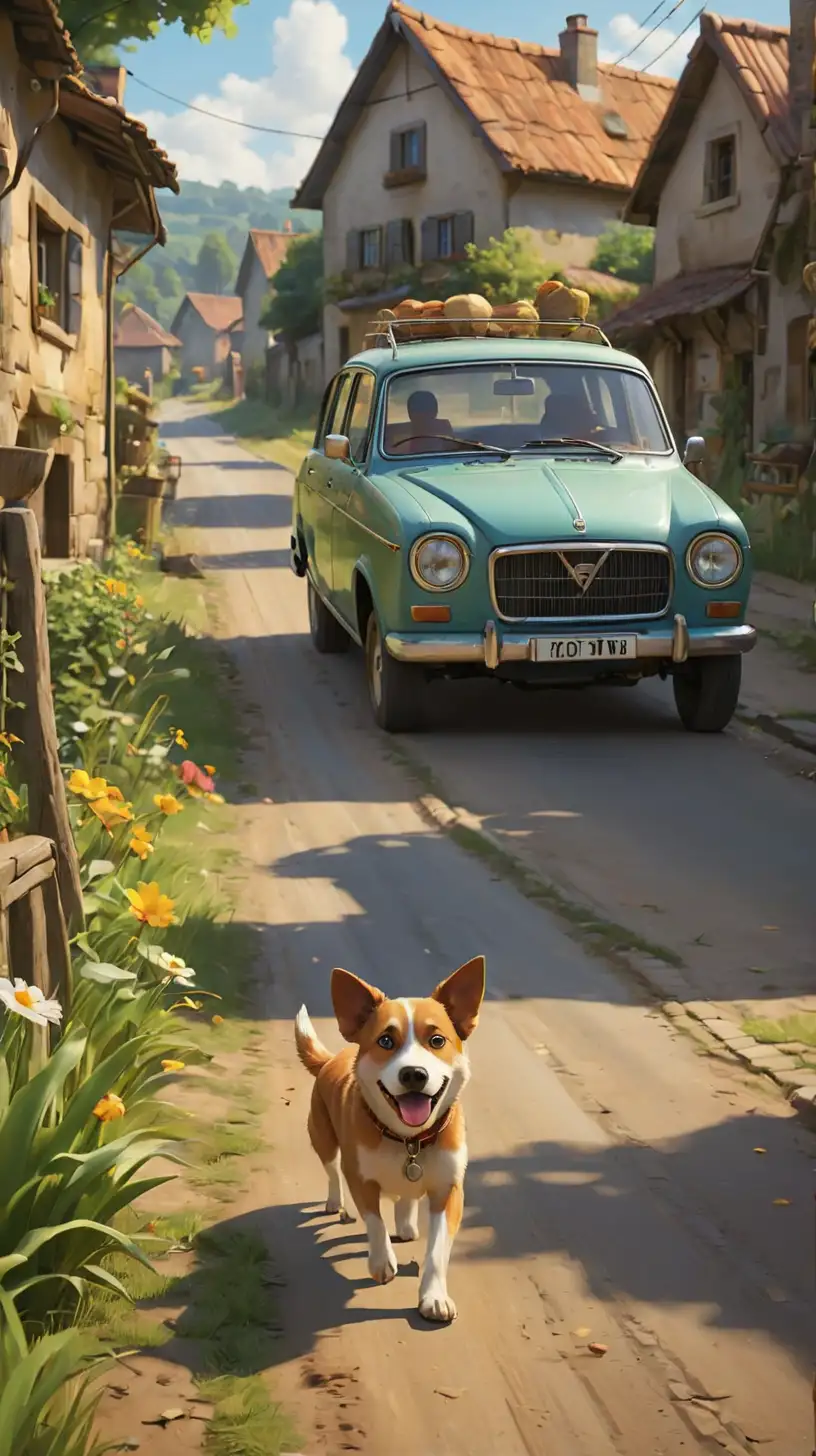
[492, 649]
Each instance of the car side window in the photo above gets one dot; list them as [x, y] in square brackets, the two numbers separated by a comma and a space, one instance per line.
[325, 411]
[337, 409]
[362, 409]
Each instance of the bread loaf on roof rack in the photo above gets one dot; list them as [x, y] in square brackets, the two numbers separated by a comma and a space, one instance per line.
[559, 312]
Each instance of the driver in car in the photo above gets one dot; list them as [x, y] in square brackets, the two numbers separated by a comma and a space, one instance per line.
[425, 428]
[567, 415]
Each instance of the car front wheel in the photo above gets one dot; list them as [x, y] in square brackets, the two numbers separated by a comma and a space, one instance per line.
[327, 633]
[396, 689]
[706, 693]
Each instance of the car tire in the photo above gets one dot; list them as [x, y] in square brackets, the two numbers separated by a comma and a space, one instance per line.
[706, 693]
[396, 689]
[328, 636]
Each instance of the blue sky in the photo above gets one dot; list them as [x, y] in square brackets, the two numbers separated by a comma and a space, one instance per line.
[292, 61]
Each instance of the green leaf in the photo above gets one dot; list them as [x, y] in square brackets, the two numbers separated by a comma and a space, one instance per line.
[22, 1122]
[99, 867]
[105, 974]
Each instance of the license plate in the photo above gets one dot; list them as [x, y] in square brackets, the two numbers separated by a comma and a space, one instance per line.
[583, 649]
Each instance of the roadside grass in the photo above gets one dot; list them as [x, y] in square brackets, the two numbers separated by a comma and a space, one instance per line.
[798, 1027]
[271, 433]
[801, 644]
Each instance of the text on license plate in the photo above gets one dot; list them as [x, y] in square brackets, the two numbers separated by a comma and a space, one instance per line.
[583, 649]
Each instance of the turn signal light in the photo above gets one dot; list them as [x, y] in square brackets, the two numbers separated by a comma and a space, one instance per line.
[724, 609]
[431, 614]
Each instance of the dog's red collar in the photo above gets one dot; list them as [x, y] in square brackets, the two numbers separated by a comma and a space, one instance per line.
[413, 1144]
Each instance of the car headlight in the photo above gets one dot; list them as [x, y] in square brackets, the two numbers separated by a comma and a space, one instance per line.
[713, 560]
[439, 563]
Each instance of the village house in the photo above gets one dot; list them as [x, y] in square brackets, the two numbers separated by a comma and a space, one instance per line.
[264, 252]
[447, 137]
[719, 185]
[209, 327]
[77, 204]
[143, 347]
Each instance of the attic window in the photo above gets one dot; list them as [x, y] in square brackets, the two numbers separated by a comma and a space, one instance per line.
[614, 125]
[721, 169]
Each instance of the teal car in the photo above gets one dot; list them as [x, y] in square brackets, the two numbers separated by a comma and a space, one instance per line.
[517, 508]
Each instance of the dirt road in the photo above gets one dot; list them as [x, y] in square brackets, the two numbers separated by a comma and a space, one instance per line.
[615, 1191]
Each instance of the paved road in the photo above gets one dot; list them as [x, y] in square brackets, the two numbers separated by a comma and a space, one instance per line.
[614, 1192]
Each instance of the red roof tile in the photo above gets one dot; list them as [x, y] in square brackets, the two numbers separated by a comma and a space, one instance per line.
[135, 329]
[269, 247]
[688, 293]
[522, 100]
[41, 36]
[219, 311]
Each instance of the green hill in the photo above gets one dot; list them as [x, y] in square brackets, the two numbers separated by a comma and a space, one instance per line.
[158, 283]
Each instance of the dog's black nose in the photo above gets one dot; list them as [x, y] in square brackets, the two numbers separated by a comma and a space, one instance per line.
[413, 1079]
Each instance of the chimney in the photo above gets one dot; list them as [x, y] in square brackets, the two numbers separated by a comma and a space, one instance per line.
[107, 81]
[579, 57]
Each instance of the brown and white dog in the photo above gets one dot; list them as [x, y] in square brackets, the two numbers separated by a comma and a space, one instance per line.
[386, 1116]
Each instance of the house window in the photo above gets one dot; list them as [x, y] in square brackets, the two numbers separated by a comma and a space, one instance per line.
[444, 237]
[721, 169]
[410, 148]
[370, 248]
[407, 155]
[57, 275]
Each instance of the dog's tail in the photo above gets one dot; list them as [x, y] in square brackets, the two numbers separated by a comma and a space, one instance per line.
[310, 1049]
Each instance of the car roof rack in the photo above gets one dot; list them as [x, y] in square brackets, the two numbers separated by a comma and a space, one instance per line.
[393, 333]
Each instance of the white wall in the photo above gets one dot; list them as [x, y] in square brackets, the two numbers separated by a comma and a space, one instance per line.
[692, 236]
[569, 219]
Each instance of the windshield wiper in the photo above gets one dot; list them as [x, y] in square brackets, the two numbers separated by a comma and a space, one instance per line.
[456, 440]
[571, 440]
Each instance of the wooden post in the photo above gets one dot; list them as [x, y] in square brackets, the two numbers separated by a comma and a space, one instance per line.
[35, 724]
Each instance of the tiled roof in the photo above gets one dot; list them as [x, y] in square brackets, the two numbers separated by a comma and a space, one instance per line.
[756, 58]
[270, 249]
[594, 282]
[41, 37]
[688, 293]
[530, 116]
[120, 142]
[135, 329]
[218, 310]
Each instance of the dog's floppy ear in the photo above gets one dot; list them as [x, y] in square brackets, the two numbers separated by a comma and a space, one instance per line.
[353, 1001]
[461, 995]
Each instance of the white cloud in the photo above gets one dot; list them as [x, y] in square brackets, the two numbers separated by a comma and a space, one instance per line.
[309, 75]
[624, 33]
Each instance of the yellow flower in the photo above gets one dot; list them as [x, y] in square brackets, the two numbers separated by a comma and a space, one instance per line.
[121, 644]
[218, 1021]
[85, 787]
[138, 601]
[170, 1065]
[187, 1004]
[7, 739]
[215, 798]
[150, 906]
[116, 794]
[141, 842]
[210, 769]
[111, 813]
[14, 799]
[116, 588]
[178, 736]
[131, 679]
[109, 1107]
[133, 550]
[168, 803]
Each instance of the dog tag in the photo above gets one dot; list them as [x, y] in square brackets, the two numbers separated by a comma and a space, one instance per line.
[412, 1168]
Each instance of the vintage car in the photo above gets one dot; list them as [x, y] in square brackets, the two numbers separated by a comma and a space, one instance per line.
[516, 508]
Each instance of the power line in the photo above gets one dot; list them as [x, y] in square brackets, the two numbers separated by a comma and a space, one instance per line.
[108, 11]
[670, 46]
[649, 33]
[230, 120]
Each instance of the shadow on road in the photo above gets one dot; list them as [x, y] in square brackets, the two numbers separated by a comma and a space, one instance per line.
[254, 512]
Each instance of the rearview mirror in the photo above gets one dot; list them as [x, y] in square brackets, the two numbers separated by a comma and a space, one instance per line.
[337, 447]
[519, 384]
[695, 451]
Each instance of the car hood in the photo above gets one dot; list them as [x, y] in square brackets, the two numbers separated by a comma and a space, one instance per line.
[521, 500]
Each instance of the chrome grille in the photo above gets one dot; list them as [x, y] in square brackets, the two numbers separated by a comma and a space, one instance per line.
[572, 583]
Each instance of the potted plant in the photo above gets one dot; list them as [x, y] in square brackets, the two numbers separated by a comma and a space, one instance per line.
[46, 302]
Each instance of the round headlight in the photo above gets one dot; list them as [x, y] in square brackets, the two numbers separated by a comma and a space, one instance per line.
[714, 561]
[439, 563]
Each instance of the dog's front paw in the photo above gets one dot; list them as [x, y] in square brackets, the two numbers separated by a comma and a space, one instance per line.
[383, 1266]
[346, 1217]
[435, 1304]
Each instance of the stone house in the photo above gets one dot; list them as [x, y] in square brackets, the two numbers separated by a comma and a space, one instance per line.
[264, 252]
[447, 137]
[77, 204]
[720, 186]
[141, 345]
[209, 327]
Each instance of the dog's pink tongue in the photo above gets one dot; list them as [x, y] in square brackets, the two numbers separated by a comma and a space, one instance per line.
[414, 1108]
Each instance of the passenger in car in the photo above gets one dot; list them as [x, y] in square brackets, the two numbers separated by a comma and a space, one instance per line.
[569, 415]
[424, 429]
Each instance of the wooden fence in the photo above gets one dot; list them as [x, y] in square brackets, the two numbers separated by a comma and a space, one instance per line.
[33, 936]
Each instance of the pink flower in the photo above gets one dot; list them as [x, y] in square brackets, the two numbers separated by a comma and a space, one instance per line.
[190, 773]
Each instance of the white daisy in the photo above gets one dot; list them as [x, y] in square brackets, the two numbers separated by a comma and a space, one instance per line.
[29, 1002]
[175, 968]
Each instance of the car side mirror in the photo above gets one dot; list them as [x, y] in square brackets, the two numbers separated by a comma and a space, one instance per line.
[337, 447]
[695, 452]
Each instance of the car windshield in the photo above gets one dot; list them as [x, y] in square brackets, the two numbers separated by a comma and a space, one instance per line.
[513, 406]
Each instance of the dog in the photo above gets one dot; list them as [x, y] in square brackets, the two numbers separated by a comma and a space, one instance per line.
[386, 1119]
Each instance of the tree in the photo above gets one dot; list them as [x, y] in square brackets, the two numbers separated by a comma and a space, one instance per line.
[627, 252]
[138, 287]
[168, 281]
[508, 269]
[296, 304]
[93, 25]
[215, 265]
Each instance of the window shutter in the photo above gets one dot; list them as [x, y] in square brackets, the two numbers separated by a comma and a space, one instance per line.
[407, 241]
[430, 240]
[395, 153]
[462, 232]
[708, 175]
[380, 247]
[423, 145]
[353, 259]
[74, 280]
[393, 244]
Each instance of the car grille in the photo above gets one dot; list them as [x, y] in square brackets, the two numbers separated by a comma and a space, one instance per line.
[546, 583]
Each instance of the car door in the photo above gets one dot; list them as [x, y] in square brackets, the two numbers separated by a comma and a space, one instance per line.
[348, 535]
[317, 487]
